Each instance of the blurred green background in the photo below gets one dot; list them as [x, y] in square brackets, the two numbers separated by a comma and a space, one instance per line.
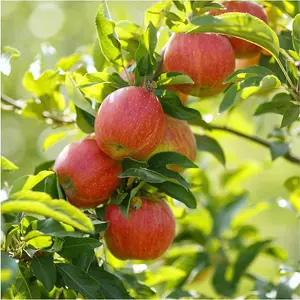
[69, 25]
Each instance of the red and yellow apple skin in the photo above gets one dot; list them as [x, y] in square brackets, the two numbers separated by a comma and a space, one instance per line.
[178, 138]
[208, 59]
[241, 63]
[87, 175]
[146, 234]
[243, 48]
[129, 123]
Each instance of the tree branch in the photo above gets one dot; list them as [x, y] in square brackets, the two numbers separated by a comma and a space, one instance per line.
[288, 156]
[49, 118]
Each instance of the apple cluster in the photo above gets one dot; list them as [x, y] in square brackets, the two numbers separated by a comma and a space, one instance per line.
[131, 123]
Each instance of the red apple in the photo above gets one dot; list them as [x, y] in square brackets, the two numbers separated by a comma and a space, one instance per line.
[178, 138]
[243, 48]
[129, 123]
[207, 58]
[146, 234]
[87, 175]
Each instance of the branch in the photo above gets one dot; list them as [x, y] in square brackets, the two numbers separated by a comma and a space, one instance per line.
[49, 118]
[254, 139]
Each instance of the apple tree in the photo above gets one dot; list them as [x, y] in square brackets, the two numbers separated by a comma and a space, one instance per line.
[145, 201]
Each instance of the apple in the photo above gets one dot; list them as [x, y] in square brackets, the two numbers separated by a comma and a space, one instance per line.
[208, 59]
[179, 138]
[146, 234]
[87, 175]
[243, 48]
[241, 63]
[130, 123]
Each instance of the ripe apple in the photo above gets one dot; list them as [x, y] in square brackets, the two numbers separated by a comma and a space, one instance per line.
[129, 123]
[241, 63]
[178, 138]
[207, 58]
[146, 234]
[243, 48]
[87, 175]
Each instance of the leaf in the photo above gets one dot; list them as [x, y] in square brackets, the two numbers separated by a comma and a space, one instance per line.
[33, 180]
[108, 41]
[99, 59]
[79, 281]
[296, 34]
[291, 114]
[7, 54]
[179, 4]
[150, 39]
[9, 270]
[173, 78]
[173, 106]
[53, 138]
[84, 120]
[278, 149]
[166, 158]
[251, 71]
[208, 144]
[44, 269]
[220, 283]
[110, 285]
[144, 174]
[241, 25]
[155, 13]
[59, 210]
[7, 165]
[178, 192]
[129, 163]
[76, 96]
[278, 105]
[292, 183]
[224, 216]
[74, 245]
[45, 166]
[23, 288]
[245, 258]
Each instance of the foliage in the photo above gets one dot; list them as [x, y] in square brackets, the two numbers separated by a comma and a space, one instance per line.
[51, 249]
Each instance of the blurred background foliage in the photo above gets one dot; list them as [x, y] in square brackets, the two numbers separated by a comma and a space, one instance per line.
[67, 26]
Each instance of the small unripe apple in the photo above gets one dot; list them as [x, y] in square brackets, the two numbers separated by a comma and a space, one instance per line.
[208, 59]
[146, 234]
[129, 123]
[87, 175]
[178, 138]
[243, 48]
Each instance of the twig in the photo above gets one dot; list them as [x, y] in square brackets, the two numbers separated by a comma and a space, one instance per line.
[288, 156]
[49, 118]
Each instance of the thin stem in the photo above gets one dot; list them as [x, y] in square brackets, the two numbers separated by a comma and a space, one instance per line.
[285, 74]
[49, 118]
[288, 156]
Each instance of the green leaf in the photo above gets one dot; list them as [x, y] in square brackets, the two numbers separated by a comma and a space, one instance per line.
[173, 106]
[278, 105]
[76, 96]
[245, 258]
[155, 13]
[143, 174]
[241, 25]
[67, 62]
[150, 40]
[178, 192]
[224, 216]
[220, 283]
[108, 41]
[76, 279]
[210, 6]
[290, 8]
[44, 269]
[166, 158]
[173, 78]
[7, 165]
[296, 34]
[99, 59]
[84, 120]
[129, 163]
[251, 71]
[7, 54]
[59, 210]
[9, 270]
[53, 138]
[278, 149]
[45, 166]
[110, 285]
[74, 245]
[179, 4]
[291, 114]
[208, 144]
[33, 180]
